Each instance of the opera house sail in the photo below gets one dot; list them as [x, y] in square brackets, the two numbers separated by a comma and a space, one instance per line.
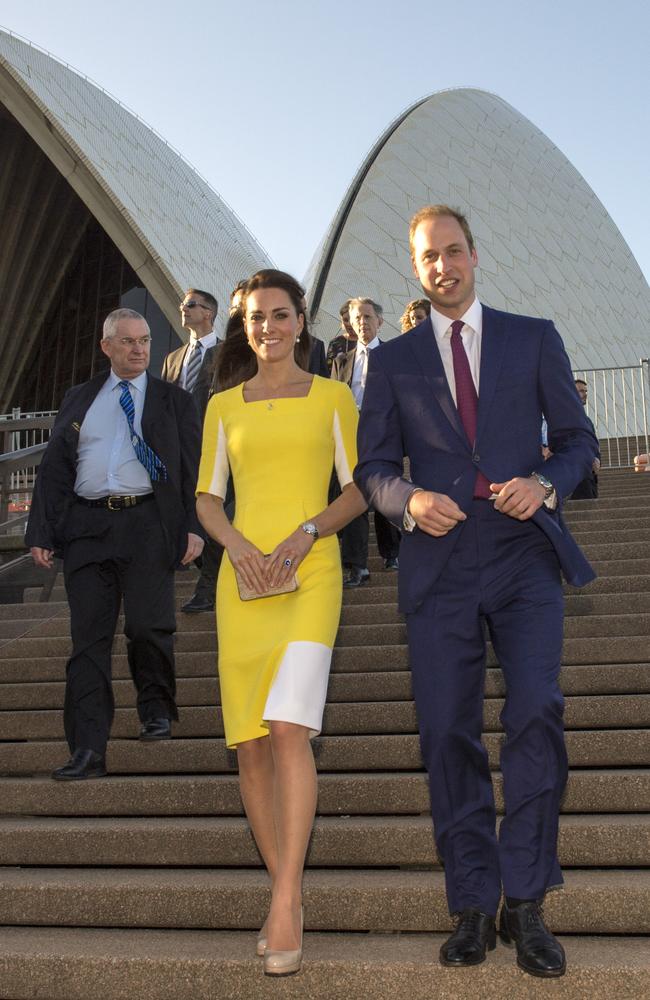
[97, 211]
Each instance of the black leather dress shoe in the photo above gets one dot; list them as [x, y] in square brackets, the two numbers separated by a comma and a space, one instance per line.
[84, 763]
[196, 604]
[156, 729]
[473, 937]
[356, 577]
[392, 563]
[538, 951]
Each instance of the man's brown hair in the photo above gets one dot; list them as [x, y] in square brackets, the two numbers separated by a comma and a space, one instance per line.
[435, 211]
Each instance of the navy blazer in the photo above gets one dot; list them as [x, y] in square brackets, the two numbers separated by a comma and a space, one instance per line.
[408, 410]
[170, 425]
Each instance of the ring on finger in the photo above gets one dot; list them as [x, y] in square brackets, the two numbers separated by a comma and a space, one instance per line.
[288, 563]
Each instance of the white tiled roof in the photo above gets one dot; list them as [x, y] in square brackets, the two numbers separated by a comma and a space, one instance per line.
[181, 221]
[546, 244]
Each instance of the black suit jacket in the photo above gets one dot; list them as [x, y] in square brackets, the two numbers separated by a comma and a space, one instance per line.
[170, 425]
[173, 367]
[317, 359]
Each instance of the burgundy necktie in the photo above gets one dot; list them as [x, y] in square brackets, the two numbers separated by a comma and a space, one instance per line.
[466, 398]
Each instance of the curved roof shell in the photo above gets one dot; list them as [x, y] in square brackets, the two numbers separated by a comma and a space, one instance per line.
[546, 244]
[173, 229]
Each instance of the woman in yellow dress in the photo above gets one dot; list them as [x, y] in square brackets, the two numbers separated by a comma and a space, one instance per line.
[278, 431]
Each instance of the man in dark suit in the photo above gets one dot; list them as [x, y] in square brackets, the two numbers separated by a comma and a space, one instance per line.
[317, 360]
[366, 318]
[115, 497]
[193, 367]
[344, 341]
[588, 488]
[462, 396]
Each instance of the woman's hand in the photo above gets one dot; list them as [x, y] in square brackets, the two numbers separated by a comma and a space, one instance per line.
[249, 562]
[291, 551]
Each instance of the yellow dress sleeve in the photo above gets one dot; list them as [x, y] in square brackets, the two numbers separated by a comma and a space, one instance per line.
[344, 431]
[214, 468]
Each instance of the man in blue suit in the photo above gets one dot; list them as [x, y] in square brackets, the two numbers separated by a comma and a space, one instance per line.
[462, 395]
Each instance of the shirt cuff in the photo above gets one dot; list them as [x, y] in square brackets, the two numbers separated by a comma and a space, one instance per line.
[408, 521]
[551, 502]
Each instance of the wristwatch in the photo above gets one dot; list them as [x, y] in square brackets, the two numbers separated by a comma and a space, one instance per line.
[550, 497]
[310, 529]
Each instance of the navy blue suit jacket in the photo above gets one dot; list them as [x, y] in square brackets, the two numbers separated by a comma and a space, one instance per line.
[408, 410]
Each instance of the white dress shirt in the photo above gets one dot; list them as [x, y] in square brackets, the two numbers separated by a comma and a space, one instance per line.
[471, 336]
[106, 461]
[203, 343]
[360, 370]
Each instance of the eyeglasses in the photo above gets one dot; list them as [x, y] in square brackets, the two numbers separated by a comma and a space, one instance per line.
[192, 303]
[129, 342]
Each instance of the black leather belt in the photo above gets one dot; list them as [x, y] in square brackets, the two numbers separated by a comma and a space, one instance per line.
[115, 502]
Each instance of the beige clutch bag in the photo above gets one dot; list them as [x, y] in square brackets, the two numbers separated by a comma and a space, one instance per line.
[248, 594]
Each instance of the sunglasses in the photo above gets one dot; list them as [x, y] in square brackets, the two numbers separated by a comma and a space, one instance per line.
[191, 303]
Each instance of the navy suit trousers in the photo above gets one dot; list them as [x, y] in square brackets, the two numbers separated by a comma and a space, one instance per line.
[502, 578]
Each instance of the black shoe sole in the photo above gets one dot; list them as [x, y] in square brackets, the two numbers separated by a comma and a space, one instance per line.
[154, 739]
[198, 611]
[79, 777]
[540, 974]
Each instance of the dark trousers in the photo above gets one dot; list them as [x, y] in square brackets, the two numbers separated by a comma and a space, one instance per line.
[587, 489]
[210, 563]
[354, 540]
[503, 573]
[112, 557]
[213, 552]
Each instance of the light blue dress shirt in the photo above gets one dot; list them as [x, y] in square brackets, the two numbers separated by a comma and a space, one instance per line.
[106, 461]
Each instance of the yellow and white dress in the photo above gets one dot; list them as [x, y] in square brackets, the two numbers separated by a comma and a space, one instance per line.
[275, 652]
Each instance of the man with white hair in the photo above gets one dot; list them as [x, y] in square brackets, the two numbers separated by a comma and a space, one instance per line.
[115, 497]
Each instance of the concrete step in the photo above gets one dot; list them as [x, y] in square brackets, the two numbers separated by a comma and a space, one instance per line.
[637, 534]
[385, 793]
[400, 752]
[636, 565]
[581, 712]
[629, 650]
[594, 902]
[28, 684]
[629, 521]
[604, 840]
[375, 612]
[385, 583]
[628, 625]
[121, 964]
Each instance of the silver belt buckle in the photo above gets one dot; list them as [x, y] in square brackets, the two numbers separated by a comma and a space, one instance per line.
[109, 503]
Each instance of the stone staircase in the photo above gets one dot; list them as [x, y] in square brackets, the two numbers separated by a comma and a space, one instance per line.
[147, 884]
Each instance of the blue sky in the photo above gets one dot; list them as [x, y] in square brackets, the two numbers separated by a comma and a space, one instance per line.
[277, 103]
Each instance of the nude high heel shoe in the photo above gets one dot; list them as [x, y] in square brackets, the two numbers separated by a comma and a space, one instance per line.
[260, 948]
[284, 963]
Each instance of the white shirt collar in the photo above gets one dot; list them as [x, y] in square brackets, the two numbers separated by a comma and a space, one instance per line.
[209, 340]
[368, 347]
[140, 382]
[473, 318]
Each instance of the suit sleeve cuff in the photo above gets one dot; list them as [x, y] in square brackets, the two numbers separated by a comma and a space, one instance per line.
[408, 521]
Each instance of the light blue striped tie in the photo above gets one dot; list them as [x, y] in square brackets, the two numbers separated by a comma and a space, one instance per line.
[144, 453]
[193, 366]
